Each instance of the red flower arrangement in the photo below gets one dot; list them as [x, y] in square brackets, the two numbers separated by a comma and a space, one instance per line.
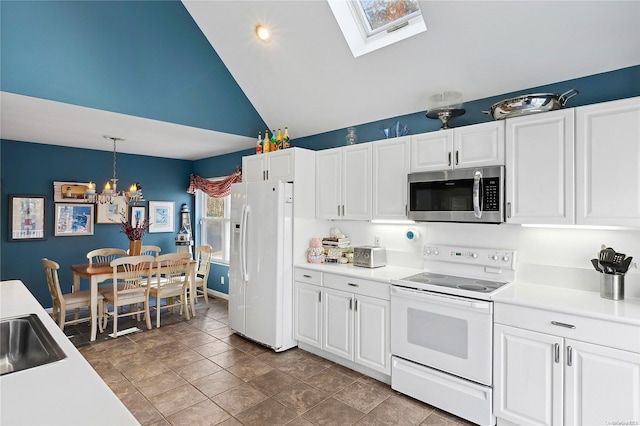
[134, 232]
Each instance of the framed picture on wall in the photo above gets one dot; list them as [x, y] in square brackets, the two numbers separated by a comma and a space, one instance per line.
[138, 214]
[73, 220]
[27, 217]
[161, 216]
[111, 212]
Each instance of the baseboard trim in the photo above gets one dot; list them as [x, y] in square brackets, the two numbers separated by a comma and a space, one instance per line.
[218, 294]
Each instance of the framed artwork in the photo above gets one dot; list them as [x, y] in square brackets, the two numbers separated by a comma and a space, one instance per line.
[112, 212]
[27, 217]
[161, 216]
[137, 215]
[70, 192]
[74, 220]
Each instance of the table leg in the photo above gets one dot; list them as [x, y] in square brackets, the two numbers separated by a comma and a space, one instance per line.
[76, 287]
[94, 307]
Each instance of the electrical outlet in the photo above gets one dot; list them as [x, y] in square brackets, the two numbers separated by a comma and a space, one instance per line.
[376, 240]
[222, 280]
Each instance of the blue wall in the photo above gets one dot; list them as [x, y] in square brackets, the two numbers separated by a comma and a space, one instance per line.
[29, 168]
[143, 58]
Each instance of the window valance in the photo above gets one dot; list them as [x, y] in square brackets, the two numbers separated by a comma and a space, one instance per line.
[217, 188]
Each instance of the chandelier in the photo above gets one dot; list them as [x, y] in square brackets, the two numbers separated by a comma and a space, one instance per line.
[108, 196]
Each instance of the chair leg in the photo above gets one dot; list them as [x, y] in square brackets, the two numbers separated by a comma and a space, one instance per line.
[206, 295]
[115, 322]
[147, 315]
[63, 317]
[158, 311]
[100, 316]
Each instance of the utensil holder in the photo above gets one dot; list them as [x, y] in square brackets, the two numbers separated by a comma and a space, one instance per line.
[612, 286]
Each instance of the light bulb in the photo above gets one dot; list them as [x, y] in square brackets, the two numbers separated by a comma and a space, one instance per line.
[262, 33]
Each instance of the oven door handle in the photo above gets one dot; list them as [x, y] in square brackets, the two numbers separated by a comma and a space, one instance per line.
[419, 295]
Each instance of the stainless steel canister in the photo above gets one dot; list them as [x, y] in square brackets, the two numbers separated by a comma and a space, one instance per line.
[612, 286]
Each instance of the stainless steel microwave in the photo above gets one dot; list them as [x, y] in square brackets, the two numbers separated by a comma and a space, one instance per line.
[473, 195]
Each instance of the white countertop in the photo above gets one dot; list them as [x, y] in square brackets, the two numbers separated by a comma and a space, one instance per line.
[570, 301]
[382, 274]
[66, 392]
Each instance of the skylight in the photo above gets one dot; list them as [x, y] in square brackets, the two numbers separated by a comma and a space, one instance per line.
[369, 25]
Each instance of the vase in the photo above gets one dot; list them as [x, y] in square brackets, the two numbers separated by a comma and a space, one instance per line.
[351, 138]
[134, 247]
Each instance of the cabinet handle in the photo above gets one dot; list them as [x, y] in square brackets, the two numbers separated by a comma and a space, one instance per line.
[264, 175]
[449, 158]
[338, 210]
[569, 353]
[306, 276]
[350, 304]
[343, 210]
[353, 285]
[319, 297]
[356, 305]
[267, 172]
[557, 352]
[562, 324]
[509, 210]
[457, 157]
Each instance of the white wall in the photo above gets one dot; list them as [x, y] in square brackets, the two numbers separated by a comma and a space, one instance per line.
[549, 256]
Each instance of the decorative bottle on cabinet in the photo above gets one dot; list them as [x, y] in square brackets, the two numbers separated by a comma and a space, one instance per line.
[266, 145]
[259, 144]
[274, 143]
[286, 140]
[279, 142]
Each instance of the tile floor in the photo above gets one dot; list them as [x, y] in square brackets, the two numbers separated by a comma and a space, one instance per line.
[198, 372]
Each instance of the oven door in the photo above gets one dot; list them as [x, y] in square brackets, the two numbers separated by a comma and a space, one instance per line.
[449, 333]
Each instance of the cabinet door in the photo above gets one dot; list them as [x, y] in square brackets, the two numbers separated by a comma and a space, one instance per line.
[527, 376]
[602, 385]
[328, 183]
[281, 165]
[432, 151]
[539, 164]
[371, 333]
[307, 313]
[608, 154]
[356, 182]
[254, 168]
[479, 145]
[337, 322]
[390, 169]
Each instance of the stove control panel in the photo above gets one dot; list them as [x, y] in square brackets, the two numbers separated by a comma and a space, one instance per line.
[470, 255]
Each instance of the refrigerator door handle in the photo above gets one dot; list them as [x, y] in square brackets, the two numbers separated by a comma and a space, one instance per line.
[243, 242]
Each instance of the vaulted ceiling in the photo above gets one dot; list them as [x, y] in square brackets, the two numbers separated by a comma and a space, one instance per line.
[190, 80]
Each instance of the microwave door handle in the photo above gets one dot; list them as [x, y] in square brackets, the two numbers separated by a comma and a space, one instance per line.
[477, 199]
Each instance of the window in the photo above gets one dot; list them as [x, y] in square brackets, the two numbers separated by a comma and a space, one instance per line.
[215, 225]
[369, 25]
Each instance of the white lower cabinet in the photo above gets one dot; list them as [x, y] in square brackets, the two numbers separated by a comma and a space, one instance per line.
[546, 379]
[345, 318]
[307, 302]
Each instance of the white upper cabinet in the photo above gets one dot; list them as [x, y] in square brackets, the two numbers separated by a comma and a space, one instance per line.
[276, 165]
[539, 163]
[608, 163]
[390, 169]
[343, 183]
[463, 147]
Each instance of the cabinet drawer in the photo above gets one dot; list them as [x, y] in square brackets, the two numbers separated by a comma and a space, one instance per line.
[308, 276]
[602, 332]
[357, 285]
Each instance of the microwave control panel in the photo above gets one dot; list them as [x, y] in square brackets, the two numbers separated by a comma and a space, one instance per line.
[491, 198]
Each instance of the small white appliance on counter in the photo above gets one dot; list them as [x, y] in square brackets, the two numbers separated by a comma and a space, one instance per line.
[442, 322]
[370, 256]
[261, 263]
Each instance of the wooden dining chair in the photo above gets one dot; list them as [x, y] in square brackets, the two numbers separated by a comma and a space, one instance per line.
[203, 262]
[105, 255]
[172, 282]
[62, 302]
[149, 251]
[131, 278]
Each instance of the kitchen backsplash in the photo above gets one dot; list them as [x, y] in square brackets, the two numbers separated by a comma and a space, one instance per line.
[549, 256]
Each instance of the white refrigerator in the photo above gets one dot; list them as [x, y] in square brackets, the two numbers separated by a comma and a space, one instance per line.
[261, 263]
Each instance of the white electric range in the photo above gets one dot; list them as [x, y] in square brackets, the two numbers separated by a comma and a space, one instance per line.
[442, 322]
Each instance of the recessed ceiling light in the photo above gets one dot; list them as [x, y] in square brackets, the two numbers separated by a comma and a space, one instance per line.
[262, 32]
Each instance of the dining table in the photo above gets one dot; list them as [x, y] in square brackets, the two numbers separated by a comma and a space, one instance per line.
[98, 273]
